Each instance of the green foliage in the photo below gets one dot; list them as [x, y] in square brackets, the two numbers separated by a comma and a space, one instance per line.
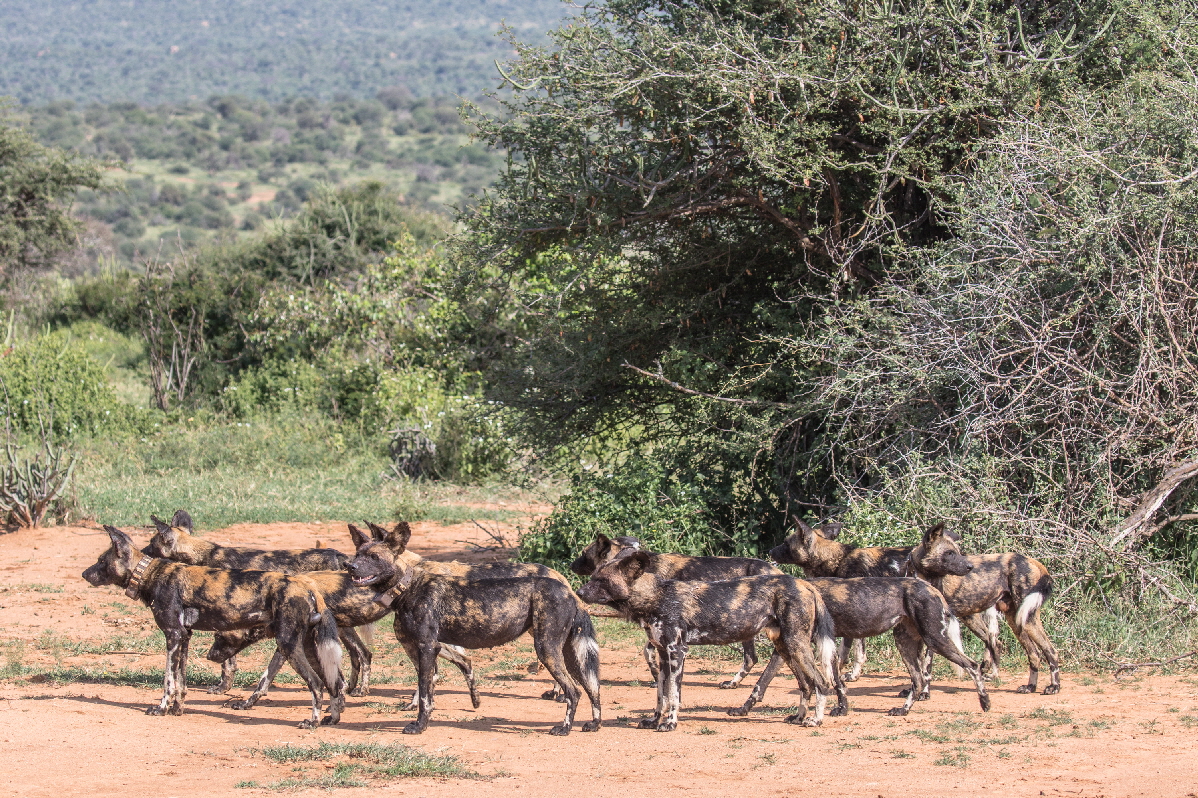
[158, 51]
[37, 185]
[47, 381]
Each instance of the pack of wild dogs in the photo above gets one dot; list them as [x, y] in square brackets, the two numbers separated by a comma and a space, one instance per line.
[313, 602]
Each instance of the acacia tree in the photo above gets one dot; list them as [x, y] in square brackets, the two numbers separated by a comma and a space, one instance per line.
[37, 185]
[693, 186]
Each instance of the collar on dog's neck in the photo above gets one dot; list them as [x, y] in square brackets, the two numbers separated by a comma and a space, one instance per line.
[389, 596]
[133, 589]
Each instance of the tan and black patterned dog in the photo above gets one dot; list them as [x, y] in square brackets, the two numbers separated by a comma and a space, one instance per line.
[683, 568]
[184, 598]
[676, 614]
[869, 606]
[1013, 584]
[432, 610]
[176, 541]
[819, 554]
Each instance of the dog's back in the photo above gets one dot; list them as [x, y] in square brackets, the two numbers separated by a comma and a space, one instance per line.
[176, 542]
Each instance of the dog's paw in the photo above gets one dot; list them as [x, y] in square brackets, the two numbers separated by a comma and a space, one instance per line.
[330, 720]
[906, 691]
[216, 689]
[728, 685]
[924, 696]
[984, 700]
[175, 709]
[739, 712]
[666, 725]
[156, 711]
[1026, 688]
[415, 727]
[647, 723]
[550, 695]
[849, 677]
[244, 703]
[898, 712]
[591, 725]
[560, 730]
[838, 712]
[360, 692]
[799, 719]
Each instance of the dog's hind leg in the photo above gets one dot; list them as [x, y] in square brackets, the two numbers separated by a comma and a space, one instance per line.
[943, 636]
[858, 648]
[228, 671]
[458, 657]
[984, 625]
[758, 691]
[910, 648]
[359, 662]
[264, 681]
[550, 653]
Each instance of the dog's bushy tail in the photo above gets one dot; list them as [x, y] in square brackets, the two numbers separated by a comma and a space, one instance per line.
[581, 653]
[823, 635]
[328, 643]
[1034, 599]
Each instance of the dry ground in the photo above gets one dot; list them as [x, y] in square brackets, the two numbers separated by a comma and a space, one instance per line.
[82, 662]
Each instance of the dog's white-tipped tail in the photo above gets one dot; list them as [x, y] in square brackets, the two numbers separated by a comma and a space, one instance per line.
[1028, 608]
[953, 632]
[328, 649]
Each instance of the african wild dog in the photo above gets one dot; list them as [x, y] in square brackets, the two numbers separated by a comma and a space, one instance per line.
[676, 614]
[868, 606]
[818, 553]
[1013, 584]
[683, 568]
[184, 598]
[175, 541]
[433, 610]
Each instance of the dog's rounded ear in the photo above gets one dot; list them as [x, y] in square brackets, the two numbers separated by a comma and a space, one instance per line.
[953, 535]
[830, 530]
[636, 562]
[603, 545]
[359, 537]
[122, 542]
[167, 536]
[379, 533]
[804, 532]
[934, 533]
[397, 538]
[182, 520]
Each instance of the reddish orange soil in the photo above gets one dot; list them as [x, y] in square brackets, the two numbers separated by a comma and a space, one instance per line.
[1097, 738]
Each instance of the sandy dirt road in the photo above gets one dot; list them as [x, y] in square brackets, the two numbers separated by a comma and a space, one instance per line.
[80, 734]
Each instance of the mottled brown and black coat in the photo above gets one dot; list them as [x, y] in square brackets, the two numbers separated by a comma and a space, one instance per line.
[432, 611]
[186, 598]
[869, 606]
[683, 568]
[1013, 584]
[676, 614]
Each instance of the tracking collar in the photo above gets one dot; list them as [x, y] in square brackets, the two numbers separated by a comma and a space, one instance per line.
[133, 589]
[388, 596]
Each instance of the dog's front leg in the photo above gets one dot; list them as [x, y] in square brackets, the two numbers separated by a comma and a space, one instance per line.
[673, 665]
[651, 723]
[652, 659]
[176, 663]
[426, 672]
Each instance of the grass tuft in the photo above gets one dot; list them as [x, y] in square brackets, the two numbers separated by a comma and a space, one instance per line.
[366, 760]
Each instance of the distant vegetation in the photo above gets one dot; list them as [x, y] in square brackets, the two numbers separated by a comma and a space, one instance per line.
[218, 170]
[152, 51]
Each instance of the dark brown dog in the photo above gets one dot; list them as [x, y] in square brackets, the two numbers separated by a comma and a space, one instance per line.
[190, 597]
[1013, 584]
[676, 614]
[432, 610]
[864, 607]
[684, 569]
[175, 541]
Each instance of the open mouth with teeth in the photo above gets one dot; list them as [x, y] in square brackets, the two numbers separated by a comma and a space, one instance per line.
[365, 580]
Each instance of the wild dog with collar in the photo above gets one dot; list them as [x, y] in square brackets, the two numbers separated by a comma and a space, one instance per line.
[676, 614]
[186, 598]
[435, 610]
[396, 539]
[683, 568]
[979, 586]
[176, 541]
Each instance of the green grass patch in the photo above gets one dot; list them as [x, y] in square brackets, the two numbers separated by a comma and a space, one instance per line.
[361, 763]
[32, 587]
